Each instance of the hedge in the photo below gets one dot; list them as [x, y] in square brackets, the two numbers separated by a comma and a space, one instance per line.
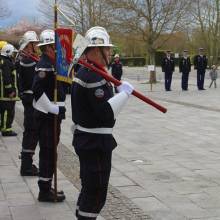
[133, 61]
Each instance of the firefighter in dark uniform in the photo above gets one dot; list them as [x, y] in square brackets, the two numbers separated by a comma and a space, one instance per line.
[8, 89]
[200, 64]
[185, 69]
[45, 111]
[94, 109]
[116, 69]
[168, 67]
[26, 69]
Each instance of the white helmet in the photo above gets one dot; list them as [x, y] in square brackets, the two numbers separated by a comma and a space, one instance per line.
[98, 37]
[116, 55]
[47, 37]
[29, 36]
[8, 50]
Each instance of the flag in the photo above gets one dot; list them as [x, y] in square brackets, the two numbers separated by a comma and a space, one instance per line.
[64, 38]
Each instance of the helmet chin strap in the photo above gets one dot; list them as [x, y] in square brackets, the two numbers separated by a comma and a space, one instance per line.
[51, 55]
[104, 56]
[33, 49]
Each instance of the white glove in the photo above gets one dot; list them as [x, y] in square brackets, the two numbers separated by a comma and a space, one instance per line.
[125, 87]
[54, 109]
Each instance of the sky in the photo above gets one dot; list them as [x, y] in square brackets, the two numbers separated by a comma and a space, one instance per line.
[19, 9]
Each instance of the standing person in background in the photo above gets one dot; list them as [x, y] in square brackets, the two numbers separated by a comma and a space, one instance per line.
[26, 68]
[117, 69]
[168, 67]
[8, 89]
[185, 69]
[200, 64]
[45, 111]
[213, 76]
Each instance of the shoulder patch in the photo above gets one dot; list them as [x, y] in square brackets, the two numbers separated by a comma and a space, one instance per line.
[42, 74]
[99, 93]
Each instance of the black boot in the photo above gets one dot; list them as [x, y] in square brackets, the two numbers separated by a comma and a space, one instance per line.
[49, 196]
[9, 133]
[27, 168]
[31, 171]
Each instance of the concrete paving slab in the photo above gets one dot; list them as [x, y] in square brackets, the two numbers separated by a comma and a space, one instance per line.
[177, 176]
[25, 213]
[4, 209]
[20, 199]
[6, 218]
[150, 204]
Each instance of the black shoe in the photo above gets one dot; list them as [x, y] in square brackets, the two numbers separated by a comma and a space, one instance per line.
[50, 197]
[203, 89]
[9, 133]
[32, 171]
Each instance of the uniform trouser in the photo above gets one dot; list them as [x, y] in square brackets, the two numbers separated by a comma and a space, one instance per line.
[213, 80]
[185, 78]
[7, 111]
[168, 80]
[119, 79]
[200, 78]
[30, 134]
[95, 168]
[47, 144]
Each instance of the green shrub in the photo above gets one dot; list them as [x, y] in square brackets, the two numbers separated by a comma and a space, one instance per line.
[133, 61]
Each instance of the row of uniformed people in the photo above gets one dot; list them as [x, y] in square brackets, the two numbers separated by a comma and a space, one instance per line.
[16, 76]
[94, 111]
[200, 64]
[37, 80]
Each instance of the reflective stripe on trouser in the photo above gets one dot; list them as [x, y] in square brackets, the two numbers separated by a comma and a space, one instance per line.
[47, 144]
[95, 168]
[30, 134]
[7, 111]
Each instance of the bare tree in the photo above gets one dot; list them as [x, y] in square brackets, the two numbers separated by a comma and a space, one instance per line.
[150, 19]
[145, 20]
[207, 17]
[84, 13]
[4, 10]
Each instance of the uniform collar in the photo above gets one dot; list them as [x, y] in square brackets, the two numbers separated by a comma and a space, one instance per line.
[6, 58]
[47, 59]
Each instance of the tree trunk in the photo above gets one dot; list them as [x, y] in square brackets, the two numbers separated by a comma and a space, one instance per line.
[151, 61]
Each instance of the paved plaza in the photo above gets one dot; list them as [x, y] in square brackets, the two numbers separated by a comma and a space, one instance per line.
[166, 166]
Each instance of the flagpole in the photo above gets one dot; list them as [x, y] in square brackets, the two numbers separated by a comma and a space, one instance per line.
[55, 100]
